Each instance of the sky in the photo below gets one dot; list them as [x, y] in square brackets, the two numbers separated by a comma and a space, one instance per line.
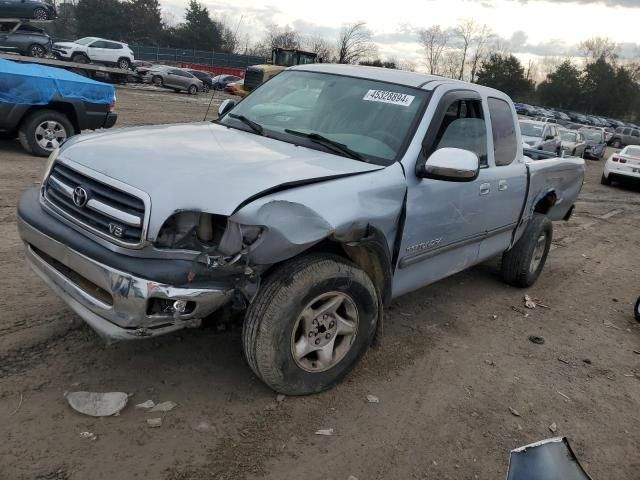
[532, 27]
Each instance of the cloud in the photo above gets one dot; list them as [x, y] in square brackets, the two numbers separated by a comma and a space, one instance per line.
[607, 3]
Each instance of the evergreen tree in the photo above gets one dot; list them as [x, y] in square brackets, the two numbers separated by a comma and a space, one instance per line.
[505, 73]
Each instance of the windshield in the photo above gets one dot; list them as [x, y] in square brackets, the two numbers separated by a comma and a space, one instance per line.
[373, 119]
[568, 136]
[85, 40]
[593, 135]
[531, 129]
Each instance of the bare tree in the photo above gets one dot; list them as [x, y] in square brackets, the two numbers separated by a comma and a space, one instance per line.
[466, 32]
[481, 49]
[450, 63]
[434, 40]
[354, 43]
[320, 46]
[594, 48]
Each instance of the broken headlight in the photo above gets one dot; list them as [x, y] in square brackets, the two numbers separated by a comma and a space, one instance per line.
[206, 232]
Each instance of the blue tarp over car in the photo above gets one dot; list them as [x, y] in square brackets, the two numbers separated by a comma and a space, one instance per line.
[37, 85]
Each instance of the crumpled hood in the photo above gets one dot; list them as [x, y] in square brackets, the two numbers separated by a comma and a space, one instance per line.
[66, 44]
[203, 166]
[531, 140]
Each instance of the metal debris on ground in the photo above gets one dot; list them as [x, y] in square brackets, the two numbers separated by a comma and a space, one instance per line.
[326, 432]
[96, 404]
[154, 422]
[280, 397]
[514, 412]
[553, 428]
[373, 399]
[146, 405]
[563, 395]
[18, 407]
[519, 310]
[89, 435]
[536, 339]
[560, 359]
[528, 302]
[637, 352]
[491, 363]
[164, 407]
[587, 361]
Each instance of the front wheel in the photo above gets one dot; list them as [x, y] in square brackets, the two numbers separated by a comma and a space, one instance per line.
[310, 323]
[636, 311]
[522, 265]
[124, 63]
[40, 14]
[42, 131]
[37, 51]
[157, 81]
[193, 90]
[205, 88]
[617, 143]
[80, 58]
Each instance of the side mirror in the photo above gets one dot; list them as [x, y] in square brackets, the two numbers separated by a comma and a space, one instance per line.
[452, 165]
[225, 106]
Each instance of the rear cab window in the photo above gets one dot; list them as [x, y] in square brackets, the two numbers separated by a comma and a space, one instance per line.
[503, 128]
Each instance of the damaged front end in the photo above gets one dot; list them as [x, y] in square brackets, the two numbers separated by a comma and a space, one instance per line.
[551, 459]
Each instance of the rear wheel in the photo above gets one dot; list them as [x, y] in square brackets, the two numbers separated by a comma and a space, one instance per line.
[310, 323]
[40, 14]
[522, 265]
[205, 88]
[42, 131]
[37, 51]
[604, 180]
[616, 143]
[193, 90]
[636, 311]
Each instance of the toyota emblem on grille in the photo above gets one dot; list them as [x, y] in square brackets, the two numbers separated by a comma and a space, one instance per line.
[80, 197]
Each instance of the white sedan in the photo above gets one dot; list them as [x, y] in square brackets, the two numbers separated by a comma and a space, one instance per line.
[622, 165]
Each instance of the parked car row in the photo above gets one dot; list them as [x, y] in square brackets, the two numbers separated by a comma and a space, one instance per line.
[565, 117]
[585, 142]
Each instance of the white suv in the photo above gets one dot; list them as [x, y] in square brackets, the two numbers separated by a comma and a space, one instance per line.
[93, 49]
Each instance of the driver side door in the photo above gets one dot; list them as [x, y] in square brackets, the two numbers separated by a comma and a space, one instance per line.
[445, 220]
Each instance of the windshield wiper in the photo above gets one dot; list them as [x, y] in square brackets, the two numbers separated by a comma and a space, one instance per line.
[327, 142]
[256, 127]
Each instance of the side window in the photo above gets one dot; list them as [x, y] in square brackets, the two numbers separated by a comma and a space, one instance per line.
[463, 127]
[114, 46]
[98, 44]
[505, 145]
[635, 133]
[626, 131]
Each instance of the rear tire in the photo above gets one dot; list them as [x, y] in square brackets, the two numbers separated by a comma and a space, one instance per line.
[293, 341]
[40, 14]
[636, 311]
[522, 265]
[43, 131]
[616, 143]
[604, 180]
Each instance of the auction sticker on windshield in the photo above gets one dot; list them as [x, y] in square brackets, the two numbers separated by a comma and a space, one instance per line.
[394, 98]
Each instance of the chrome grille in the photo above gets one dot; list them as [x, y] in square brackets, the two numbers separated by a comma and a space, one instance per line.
[98, 207]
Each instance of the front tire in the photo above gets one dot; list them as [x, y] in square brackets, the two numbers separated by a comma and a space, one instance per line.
[79, 58]
[522, 265]
[43, 131]
[157, 81]
[37, 51]
[124, 63]
[617, 143]
[636, 311]
[310, 323]
[193, 90]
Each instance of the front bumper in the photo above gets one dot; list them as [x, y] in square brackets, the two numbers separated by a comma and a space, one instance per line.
[114, 303]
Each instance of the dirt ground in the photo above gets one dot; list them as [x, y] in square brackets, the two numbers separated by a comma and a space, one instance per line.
[454, 359]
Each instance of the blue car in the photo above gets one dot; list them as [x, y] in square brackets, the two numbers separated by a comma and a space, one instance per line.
[31, 9]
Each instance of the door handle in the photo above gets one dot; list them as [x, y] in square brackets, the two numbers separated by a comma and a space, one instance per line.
[503, 185]
[485, 188]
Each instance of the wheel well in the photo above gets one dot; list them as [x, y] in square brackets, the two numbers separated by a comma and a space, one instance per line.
[60, 107]
[546, 203]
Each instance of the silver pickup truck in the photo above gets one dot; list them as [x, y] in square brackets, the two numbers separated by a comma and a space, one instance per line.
[310, 205]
